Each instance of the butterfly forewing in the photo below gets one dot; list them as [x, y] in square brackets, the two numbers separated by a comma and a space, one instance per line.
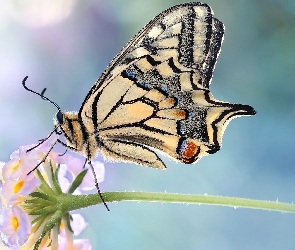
[188, 33]
[155, 93]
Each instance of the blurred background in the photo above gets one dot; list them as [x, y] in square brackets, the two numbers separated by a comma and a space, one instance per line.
[65, 46]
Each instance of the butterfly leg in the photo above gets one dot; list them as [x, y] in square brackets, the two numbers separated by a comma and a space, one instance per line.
[42, 140]
[96, 185]
[93, 172]
[66, 146]
[44, 158]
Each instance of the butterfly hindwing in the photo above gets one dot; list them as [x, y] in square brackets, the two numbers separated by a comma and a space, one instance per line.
[143, 116]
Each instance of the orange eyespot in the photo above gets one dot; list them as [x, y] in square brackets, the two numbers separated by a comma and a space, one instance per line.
[188, 151]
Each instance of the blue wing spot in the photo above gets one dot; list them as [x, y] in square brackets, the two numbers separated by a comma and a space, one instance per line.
[129, 75]
[143, 85]
[190, 114]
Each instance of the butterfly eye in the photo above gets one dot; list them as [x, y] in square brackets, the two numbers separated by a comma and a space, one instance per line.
[59, 117]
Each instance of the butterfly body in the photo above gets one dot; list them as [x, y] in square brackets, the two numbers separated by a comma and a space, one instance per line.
[155, 95]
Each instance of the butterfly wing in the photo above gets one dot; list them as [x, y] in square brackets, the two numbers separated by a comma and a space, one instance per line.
[187, 32]
[155, 93]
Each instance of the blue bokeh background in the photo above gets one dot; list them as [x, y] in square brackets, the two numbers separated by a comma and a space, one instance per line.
[65, 45]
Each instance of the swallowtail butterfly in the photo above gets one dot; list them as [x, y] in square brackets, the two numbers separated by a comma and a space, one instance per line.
[154, 95]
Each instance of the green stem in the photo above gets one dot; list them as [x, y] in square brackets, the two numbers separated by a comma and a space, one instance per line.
[73, 202]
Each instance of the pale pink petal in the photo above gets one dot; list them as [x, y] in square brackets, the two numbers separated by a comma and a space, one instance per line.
[5, 221]
[78, 224]
[13, 239]
[99, 170]
[21, 163]
[76, 166]
[12, 169]
[60, 159]
[64, 184]
[24, 225]
[15, 225]
[12, 189]
[1, 175]
[63, 171]
[62, 244]
[45, 146]
[82, 244]
[65, 178]
[21, 151]
[88, 181]
[79, 244]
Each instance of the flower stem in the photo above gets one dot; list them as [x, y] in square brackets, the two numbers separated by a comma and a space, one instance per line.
[81, 201]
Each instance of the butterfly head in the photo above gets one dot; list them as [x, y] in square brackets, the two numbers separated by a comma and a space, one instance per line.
[59, 117]
[67, 123]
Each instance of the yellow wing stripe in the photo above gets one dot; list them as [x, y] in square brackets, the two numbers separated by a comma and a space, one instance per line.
[144, 65]
[108, 97]
[128, 114]
[155, 95]
[134, 93]
[166, 125]
[165, 70]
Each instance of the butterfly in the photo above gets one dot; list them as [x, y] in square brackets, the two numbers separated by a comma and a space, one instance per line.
[154, 95]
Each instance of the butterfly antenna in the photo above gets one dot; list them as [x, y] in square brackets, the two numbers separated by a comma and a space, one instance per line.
[97, 187]
[41, 95]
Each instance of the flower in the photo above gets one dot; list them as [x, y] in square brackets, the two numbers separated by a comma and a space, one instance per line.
[78, 224]
[13, 188]
[1, 178]
[34, 211]
[75, 166]
[20, 164]
[15, 226]
[80, 244]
